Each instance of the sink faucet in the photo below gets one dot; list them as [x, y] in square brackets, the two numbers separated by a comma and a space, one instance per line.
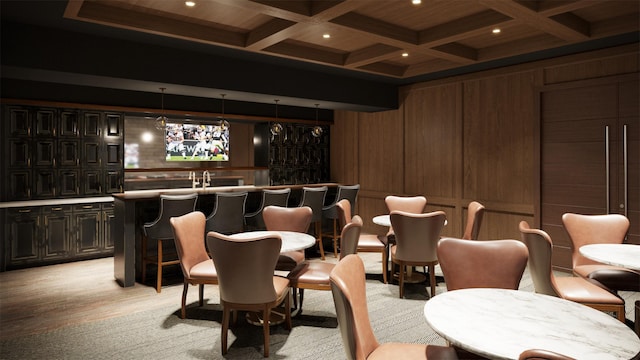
[206, 179]
[194, 179]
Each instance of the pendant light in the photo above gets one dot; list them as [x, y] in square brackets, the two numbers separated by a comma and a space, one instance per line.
[223, 120]
[276, 127]
[317, 130]
[161, 121]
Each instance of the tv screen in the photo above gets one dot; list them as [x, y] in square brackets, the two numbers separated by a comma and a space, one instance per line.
[197, 142]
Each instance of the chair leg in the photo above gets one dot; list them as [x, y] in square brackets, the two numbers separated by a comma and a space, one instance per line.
[335, 237]
[384, 266]
[159, 280]
[201, 294]
[401, 279]
[225, 328]
[294, 293]
[287, 306]
[184, 299]
[144, 258]
[432, 279]
[265, 329]
[301, 299]
[319, 235]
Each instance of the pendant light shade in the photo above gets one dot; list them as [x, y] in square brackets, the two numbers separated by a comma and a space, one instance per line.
[161, 121]
[276, 127]
[317, 130]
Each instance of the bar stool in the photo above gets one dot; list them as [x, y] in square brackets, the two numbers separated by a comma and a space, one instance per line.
[349, 192]
[160, 229]
[278, 197]
[227, 216]
[314, 198]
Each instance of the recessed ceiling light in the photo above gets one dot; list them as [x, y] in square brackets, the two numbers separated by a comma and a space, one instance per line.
[416, 2]
[405, 54]
[326, 36]
[190, 3]
[496, 31]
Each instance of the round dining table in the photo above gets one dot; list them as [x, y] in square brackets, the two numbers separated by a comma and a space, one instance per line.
[622, 255]
[501, 324]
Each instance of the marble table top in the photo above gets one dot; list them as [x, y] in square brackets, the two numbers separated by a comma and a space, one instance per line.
[623, 255]
[385, 220]
[291, 241]
[501, 324]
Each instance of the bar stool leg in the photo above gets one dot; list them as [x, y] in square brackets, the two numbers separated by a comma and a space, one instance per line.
[335, 238]
[319, 235]
[159, 280]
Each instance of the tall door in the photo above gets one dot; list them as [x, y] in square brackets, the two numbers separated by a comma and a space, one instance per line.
[590, 156]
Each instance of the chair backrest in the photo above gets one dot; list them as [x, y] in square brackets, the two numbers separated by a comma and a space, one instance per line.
[278, 218]
[189, 237]
[245, 267]
[593, 229]
[350, 299]
[482, 264]
[411, 204]
[170, 206]
[314, 198]
[350, 236]
[277, 197]
[345, 192]
[475, 212]
[539, 354]
[417, 235]
[344, 212]
[227, 216]
[540, 250]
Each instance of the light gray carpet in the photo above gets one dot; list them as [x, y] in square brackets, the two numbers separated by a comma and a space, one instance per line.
[161, 334]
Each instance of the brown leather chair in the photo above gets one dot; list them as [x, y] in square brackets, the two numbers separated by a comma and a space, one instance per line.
[298, 219]
[600, 229]
[313, 197]
[539, 354]
[227, 216]
[412, 204]
[197, 266]
[475, 212]
[573, 288]
[482, 264]
[252, 286]
[277, 197]
[350, 298]
[314, 275]
[349, 192]
[160, 230]
[416, 236]
[366, 242]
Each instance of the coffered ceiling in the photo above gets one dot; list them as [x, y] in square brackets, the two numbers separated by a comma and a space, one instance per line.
[371, 36]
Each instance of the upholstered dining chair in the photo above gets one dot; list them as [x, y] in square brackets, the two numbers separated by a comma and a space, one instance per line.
[475, 213]
[600, 229]
[411, 204]
[482, 264]
[277, 197]
[348, 288]
[571, 288]
[161, 231]
[348, 192]
[366, 242]
[252, 286]
[313, 197]
[197, 266]
[298, 219]
[227, 216]
[417, 236]
[539, 354]
[314, 275]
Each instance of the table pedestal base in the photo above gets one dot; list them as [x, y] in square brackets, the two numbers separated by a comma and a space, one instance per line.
[276, 317]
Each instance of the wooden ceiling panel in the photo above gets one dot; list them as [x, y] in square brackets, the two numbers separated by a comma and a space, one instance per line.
[370, 36]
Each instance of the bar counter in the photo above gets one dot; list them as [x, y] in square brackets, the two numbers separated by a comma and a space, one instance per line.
[133, 208]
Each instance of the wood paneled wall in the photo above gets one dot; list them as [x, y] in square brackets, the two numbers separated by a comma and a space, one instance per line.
[454, 140]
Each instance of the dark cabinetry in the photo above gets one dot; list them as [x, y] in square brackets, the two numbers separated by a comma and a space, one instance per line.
[49, 234]
[55, 152]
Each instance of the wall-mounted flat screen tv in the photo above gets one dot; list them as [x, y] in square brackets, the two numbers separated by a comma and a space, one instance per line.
[197, 142]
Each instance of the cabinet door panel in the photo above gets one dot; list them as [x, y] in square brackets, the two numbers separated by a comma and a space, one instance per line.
[45, 153]
[91, 124]
[92, 182]
[57, 231]
[18, 185]
[108, 218]
[19, 153]
[68, 153]
[91, 156]
[45, 123]
[114, 181]
[115, 124]
[113, 154]
[45, 183]
[69, 124]
[23, 225]
[87, 229]
[69, 183]
[19, 122]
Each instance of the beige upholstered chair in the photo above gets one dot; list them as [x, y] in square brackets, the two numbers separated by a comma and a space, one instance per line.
[417, 236]
[411, 204]
[298, 219]
[366, 242]
[576, 289]
[350, 299]
[600, 229]
[349, 192]
[161, 231]
[277, 197]
[482, 264]
[475, 212]
[539, 354]
[314, 275]
[197, 266]
[313, 197]
[252, 286]
[227, 216]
